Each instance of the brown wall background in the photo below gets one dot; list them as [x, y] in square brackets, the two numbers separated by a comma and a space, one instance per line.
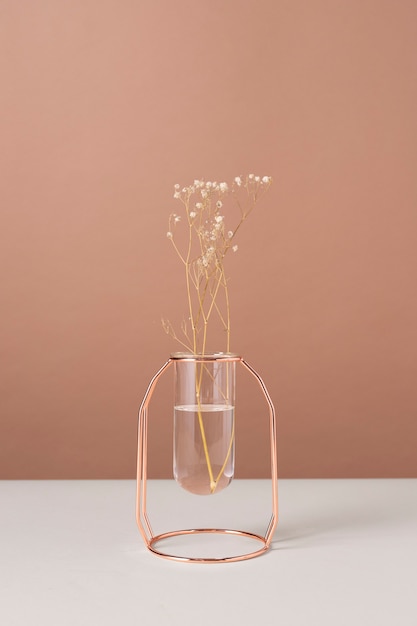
[104, 106]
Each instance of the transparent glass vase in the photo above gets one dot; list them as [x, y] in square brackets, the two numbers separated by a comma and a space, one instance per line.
[204, 421]
[204, 448]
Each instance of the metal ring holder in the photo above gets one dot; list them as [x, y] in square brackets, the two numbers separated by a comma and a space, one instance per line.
[153, 541]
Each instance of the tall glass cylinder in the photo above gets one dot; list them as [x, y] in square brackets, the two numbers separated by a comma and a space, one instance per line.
[204, 421]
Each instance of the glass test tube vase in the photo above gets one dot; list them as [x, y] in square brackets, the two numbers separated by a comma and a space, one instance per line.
[203, 445]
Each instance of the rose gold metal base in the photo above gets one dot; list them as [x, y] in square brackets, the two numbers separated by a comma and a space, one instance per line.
[141, 505]
[211, 531]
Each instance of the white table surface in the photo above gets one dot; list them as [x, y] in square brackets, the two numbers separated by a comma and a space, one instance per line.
[344, 553]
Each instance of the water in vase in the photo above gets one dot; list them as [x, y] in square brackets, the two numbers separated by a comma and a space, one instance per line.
[204, 447]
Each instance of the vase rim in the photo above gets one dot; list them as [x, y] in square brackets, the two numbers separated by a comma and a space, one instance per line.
[209, 356]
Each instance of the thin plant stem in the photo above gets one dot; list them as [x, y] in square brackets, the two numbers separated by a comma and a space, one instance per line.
[232, 437]
[205, 278]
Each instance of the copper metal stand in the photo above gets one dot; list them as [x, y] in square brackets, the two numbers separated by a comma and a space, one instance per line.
[141, 509]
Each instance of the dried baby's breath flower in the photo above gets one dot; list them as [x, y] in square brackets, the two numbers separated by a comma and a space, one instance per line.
[204, 253]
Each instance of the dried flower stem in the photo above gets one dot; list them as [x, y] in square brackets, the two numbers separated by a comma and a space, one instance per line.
[206, 246]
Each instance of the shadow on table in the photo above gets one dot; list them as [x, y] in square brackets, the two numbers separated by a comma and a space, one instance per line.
[335, 516]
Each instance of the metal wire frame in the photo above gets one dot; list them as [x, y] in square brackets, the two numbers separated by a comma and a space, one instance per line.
[141, 496]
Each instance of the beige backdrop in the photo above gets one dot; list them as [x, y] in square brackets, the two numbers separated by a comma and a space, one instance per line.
[104, 106]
